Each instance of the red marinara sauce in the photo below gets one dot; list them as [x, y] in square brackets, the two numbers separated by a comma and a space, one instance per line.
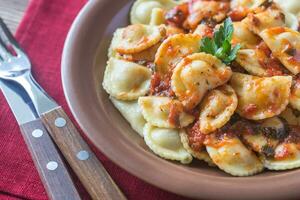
[161, 85]
[196, 137]
[250, 109]
[174, 116]
[238, 14]
[177, 15]
[272, 65]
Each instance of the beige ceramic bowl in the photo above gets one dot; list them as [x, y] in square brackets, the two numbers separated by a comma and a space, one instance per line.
[83, 65]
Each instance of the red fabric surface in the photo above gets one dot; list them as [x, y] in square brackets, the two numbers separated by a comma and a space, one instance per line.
[42, 34]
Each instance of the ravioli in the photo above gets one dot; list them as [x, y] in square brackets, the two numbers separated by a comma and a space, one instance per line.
[287, 156]
[271, 17]
[115, 40]
[166, 143]
[160, 111]
[287, 153]
[261, 98]
[132, 112]
[200, 155]
[260, 142]
[217, 108]
[256, 141]
[249, 59]
[126, 80]
[142, 9]
[136, 38]
[285, 45]
[256, 62]
[195, 75]
[173, 49]
[230, 155]
[204, 10]
[243, 36]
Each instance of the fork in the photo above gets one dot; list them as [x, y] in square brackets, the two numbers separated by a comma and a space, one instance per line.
[15, 66]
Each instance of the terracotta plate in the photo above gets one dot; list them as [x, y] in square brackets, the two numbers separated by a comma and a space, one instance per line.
[83, 65]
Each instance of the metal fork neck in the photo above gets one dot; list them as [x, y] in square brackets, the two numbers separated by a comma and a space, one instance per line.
[41, 101]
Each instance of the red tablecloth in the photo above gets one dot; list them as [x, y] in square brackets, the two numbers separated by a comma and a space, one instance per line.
[42, 34]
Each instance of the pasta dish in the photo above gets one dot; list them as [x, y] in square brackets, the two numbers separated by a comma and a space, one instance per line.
[214, 80]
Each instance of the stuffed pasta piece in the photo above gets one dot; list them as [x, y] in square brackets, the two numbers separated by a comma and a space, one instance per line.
[132, 112]
[260, 62]
[261, 98]
[206, 10]
[136, 38]
[195, 75]
[287, 154]
[232, 156]
[166, 143]
[240, 8]
[276, 141]
[262, 137]
[136, 42]
[143, 9]
[174, 49]
[126, 80]
[164, 112]
[271, 17]
[217, 108]
[243, 36]
[285, 45]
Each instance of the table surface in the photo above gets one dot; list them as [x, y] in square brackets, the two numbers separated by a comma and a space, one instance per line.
[11, 11]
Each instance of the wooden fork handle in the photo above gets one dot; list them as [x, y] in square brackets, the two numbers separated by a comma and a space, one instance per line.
[82, 160]
[54, 174]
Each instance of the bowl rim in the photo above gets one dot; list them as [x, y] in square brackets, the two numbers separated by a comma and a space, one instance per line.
[264, 187]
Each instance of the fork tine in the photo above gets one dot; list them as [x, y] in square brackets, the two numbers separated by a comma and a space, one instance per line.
[4, 54]
[8, 38]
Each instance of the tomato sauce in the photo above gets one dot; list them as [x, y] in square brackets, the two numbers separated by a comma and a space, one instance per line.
[272, 65]
[277, 30]
[250, 109]
[237, 14]
[177, 15]
[174, 116]
[196, 137]
[161, 85]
